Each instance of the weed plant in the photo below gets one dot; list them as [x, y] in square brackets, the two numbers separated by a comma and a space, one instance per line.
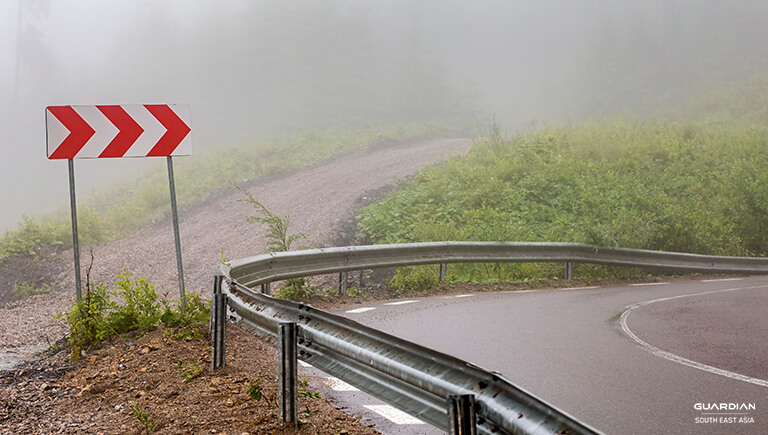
[188, 371]
[279, 239]
[143, 416]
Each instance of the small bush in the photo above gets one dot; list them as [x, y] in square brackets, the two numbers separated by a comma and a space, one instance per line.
[418, 279]
[96, 317]
[184, 322]
[141, 309]
[294, 289]
[88, 320]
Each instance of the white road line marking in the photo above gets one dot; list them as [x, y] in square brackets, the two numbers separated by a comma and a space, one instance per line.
[579, 288]
[676, 358]
[648, 283]
[305, 364]
[339, 385]
[393, 414]
[401, 303]
[721, 279]
[463, 296]
[361, 310]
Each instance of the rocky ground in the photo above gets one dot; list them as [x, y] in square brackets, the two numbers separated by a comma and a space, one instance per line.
[153, 383]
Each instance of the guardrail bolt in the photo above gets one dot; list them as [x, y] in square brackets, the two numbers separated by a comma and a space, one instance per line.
[218, 325]
[442, 271]
[287, 383]
[569, 270]
[461, 411]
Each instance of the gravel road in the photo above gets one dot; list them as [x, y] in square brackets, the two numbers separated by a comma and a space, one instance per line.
[321, 201]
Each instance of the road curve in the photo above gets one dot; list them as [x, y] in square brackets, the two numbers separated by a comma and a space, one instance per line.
[631, 359]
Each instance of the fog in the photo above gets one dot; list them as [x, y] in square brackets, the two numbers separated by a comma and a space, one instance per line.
[252, 69]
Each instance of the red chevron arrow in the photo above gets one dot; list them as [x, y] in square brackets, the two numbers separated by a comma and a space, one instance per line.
[129, 131]
[79, 132]
[177, 130]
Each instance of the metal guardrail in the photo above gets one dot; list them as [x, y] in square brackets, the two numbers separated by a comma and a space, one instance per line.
[418, 380]
[265, 268]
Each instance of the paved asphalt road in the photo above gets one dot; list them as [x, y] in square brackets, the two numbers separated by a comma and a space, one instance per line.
[626, 360]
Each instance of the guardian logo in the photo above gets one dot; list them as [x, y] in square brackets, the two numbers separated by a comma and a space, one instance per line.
[725, 413]
[724, 407]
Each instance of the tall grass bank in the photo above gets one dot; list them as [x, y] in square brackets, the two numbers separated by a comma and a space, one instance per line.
[675, 186]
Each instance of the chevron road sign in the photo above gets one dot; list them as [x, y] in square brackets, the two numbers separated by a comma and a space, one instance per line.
[131, 130]
[89, 132]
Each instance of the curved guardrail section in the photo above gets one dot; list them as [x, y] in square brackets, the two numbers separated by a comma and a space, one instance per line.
[262, 269]
[413, 378]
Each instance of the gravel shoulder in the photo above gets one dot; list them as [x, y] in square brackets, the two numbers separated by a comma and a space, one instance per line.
[321, 201]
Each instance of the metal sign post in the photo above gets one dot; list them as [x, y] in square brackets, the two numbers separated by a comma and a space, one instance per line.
[75, 242]
[177, 237]
[114, 131]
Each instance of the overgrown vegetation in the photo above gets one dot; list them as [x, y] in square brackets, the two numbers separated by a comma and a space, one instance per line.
[689, 186]
[96, 317]
[123, 208]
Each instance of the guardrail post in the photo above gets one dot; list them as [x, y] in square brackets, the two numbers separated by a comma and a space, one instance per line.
[442, 271]
[568, 270]
[265, 288]
[218, 325]
[286, 336]
[461, 411]
[342, 283]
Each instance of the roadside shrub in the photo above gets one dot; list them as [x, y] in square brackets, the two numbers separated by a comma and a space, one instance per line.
[97, 317]
[294, 289]
[185, 322]
[88, 320]
[418, 278]
[141, 308]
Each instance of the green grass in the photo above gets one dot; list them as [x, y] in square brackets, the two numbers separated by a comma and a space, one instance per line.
[128, 205]
[697, 186]
[97, 316]
[25, 289]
